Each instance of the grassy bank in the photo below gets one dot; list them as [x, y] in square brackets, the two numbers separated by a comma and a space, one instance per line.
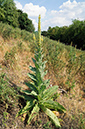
[66, 68]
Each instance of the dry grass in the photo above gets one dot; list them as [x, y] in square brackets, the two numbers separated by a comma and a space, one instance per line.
[73, 100]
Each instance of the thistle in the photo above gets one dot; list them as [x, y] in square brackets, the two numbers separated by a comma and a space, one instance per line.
[39, 97]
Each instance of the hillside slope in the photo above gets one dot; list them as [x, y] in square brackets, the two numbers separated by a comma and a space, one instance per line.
[66, 68]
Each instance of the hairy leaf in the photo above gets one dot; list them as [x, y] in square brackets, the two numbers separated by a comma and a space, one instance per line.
[51, 115]
[49, 92]
[53, 105]
[47, 82]
[32, 69]
[32, 93]
[34, 60]
[29, 105]
[42, 88]
[32, 86]
[32, 76]
[34, 112]
[29, 98]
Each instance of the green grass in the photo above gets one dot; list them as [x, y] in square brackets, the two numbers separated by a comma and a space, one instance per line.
[8, 32]
[7, 93]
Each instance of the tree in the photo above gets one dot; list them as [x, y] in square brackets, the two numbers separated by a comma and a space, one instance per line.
[44, 33]
[2, 11]
[74, 33]
[25, 22]
[2, 15]
[10, 12]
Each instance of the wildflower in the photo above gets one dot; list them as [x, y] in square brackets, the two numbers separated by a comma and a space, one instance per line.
[34, 37]
[42, 38]
[39, 30]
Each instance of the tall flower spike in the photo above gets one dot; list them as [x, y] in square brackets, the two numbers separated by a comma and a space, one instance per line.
[39, 30]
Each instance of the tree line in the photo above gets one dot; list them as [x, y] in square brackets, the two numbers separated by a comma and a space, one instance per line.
[73, 34]
[15, 17]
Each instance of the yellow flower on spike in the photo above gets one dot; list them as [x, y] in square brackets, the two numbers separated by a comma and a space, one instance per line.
[42, 38]
[39, 30]
[34, 37]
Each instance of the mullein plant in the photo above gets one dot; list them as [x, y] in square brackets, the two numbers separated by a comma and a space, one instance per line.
[39, 97]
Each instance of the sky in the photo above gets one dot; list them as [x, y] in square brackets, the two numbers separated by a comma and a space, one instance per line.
[53, 12]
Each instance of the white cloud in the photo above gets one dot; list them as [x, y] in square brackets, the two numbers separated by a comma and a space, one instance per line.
[64, 16]
[69, 4]
[35, 23]
[66, 13]
[34, 10]
[18, 5]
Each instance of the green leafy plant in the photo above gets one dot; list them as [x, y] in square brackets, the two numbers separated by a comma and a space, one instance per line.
[46, 126]
[5, 118]
[10, 57]
[81, 121]
[7, 33]
[7, 93]
[39, 97]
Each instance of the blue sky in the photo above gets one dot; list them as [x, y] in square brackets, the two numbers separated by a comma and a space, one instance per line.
[53, 12]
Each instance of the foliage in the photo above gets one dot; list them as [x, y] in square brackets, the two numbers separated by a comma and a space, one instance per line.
[46, 126]
[10, 57]
[8, 32]
[81, 121]
[74, 33]
[40, 96]
[64, 62]
[11, 14]
[16, 18]
[2, 16]
[25, 22]
[7, 93]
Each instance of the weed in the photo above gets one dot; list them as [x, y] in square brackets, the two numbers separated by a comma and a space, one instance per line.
[5, 115]
[5, 118]
[46, 126]
[7, 93]
[20, 46]
[70, 84]
[10, 57]
[7, 33]
[1, 48]
[81, 122]
[39, 97]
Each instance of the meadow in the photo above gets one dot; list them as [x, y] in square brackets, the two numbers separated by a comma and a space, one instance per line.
[66, 69]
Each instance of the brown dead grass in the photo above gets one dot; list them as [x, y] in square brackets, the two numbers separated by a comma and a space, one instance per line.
[73, 101]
